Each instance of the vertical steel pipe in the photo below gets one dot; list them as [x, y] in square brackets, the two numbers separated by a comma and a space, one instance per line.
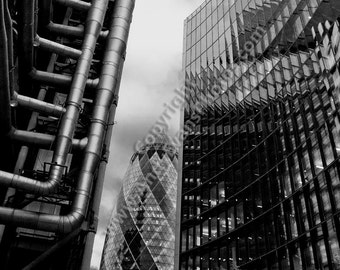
[97, 195]
[94, 23]
[27, 34]
[69, 119]
[9, 29]
[107, 91]
[5, 109]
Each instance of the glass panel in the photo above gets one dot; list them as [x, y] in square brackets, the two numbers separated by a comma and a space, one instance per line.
[221, 192]
[198, 235]
[231, 218]
[222, 224]
[240, 214]
[184, 240]
[205, 232]
[213, 229]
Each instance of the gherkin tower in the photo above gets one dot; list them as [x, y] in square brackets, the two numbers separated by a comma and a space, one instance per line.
[141, 231]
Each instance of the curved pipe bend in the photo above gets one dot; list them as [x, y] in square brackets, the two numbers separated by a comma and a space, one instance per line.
[64, 138]
[109, 81]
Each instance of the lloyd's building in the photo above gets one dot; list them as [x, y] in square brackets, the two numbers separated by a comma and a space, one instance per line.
[260, 187]
[60, 69]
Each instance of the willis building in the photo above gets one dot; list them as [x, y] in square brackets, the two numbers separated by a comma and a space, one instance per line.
[61, 64]
[260, 187]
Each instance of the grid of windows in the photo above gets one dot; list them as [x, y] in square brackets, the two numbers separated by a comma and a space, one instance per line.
[261, 186]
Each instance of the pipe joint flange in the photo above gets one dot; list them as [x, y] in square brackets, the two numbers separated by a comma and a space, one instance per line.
[75, 104]
[99, 121]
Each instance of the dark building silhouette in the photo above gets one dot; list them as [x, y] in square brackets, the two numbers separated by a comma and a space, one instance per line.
[61, 64]
[260, 187]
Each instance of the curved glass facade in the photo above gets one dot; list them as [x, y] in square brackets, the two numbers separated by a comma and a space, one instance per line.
[140, 235]
[261, 185]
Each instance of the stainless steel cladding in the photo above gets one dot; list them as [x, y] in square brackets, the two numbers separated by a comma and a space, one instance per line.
[104, 88]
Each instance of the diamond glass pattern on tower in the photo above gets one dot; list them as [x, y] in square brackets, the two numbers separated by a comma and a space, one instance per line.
[260, 187]
[141, 232]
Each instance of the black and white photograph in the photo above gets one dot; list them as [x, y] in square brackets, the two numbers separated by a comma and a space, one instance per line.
[169, 134]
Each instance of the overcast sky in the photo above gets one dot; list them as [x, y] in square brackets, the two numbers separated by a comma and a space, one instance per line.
[151, 73]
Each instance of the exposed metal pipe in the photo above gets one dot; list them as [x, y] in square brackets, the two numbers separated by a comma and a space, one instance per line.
[56, 47]
[39, 105]
[9, 29]
[28, 32]
[22, 155]
[98, 190]
[69, 119]
[108, 82]
[71, 31]
[76, 4]
[28, 35]
[5, 109]
[93, 26]
[66, 30]
[54, 79]
[42, 140]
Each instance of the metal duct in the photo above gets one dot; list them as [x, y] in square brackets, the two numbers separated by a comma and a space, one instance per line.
[54, 79]
[41, 140]
[98, 189]
[76, 4]
[69, 119]
[28, 33]
[108, 82]
[9, 29]
[70, 31]
[22, 156]
[39, 105]
[56, 47]
[5, 109]
[66, 30]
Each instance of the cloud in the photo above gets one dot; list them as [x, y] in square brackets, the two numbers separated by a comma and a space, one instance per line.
[151, 73]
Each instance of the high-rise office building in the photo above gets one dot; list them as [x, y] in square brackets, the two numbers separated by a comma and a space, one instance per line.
[61, 64]
[141, 233]
[260, 187]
